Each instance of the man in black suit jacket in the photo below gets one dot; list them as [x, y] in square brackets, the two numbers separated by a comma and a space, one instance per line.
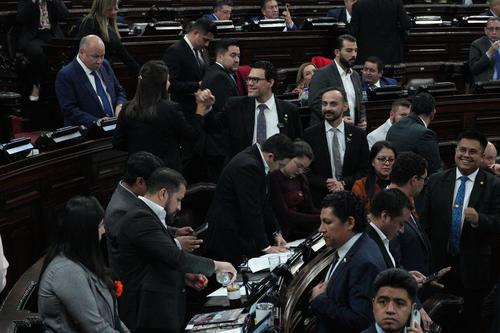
[242, 116]
[395, 295]
[373, 75]
[342, 14]
[154, 269]
[241, 222]
[339, 74]
[412, 133]
[352, 148]
[461, 212]
[493, 10]
[380, 27]
[484, 52]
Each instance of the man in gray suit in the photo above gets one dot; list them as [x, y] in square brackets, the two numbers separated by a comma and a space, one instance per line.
[484, 55]
[339, 74]
[137, 171]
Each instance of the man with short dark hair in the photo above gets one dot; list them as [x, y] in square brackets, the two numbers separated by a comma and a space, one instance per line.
[400, 108]
[461, 212]
[373, 75]
[241, 222]
[258, 116]
[395, 296]
[270, 10]
[340, 149]
[222, 11]
[412, 133]
[484, 53]
[154, 270]
[341, 302]
[339, 74]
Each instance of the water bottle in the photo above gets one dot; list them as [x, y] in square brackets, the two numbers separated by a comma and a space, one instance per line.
[304, 97]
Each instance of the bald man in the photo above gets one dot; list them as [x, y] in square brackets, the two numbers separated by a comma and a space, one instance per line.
[87, 88]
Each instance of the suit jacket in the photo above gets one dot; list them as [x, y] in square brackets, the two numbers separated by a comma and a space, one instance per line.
[256, 19]
[355, 164]
[370, 329]
[370, 231]
[220, 83]
[153, 271]
[475, 247]
[329, 76]
[384, 81]
[410, 134]
[339, 14]
[78, 100]
[185, 74]
[210, 17]
[240, 219]
[389, 20]
[346, 306]
[73, 299]
[238, 120]
[28, 17]
[481, 67]
[160, 136]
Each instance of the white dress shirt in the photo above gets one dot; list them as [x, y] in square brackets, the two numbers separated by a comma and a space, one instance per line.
[197, 54]
[468, 190]
[4, 264]
[385, 240]
[349, 89]
[91, 78]
[341, 140]
[348, 16]
[341, 252]
[379, 134]
[271, 114]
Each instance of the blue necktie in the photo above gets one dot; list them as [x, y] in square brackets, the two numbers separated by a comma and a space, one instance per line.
[335, 259]
[108, 110]
[261, 124]
[497, 66]
[456, 217]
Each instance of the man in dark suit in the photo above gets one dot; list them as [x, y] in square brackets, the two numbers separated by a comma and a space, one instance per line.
[87, 88]
[241, 222]
[373, 75]
[493, 10]
[395, 295]
[484, 54]
[340, 149]
[380, 27]
[412, 248]
[412, 133]
[341, 302]
[154, 269]
[271, 10]
[339, 74]
[342, 14]
[461, 212]
[258, 116]
[222, 11]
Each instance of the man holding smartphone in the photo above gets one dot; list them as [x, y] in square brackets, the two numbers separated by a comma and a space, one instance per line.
[394, 303]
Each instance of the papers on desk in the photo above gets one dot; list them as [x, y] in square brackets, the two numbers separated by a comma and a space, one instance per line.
[223, 292]
[262, 262]
[228, 321]
[296, 243]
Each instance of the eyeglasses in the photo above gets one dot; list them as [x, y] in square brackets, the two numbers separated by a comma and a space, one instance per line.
[472, 152]
[254, 80]
[302, 169]
[384, 159]
[493, 28]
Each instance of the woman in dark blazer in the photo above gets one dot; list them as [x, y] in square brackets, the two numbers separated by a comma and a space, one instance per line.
[38, 22]
[75, 294]
[101, 21]
[150, 122]
[291, 196]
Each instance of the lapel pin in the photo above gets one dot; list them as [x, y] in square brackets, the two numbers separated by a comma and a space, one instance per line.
[481, 182]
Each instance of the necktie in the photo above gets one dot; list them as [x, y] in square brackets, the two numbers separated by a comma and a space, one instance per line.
[497, 66]
[456, 217]
[261, 124]
[108, 110]
[337, 162]
[335, 259]
[372, 87]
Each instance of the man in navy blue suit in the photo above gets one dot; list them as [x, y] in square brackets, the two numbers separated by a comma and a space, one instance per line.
[372, 75]
[222, 11]
[341, 302]
[342, 14]
[87, 88]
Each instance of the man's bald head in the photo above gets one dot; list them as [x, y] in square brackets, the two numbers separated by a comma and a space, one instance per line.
[92, 52]
[490, 155]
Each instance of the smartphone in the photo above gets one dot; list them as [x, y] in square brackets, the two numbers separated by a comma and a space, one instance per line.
[200, 229]
[414, 317]
[432, 277]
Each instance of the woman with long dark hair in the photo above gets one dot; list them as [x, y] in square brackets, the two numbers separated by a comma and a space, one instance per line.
[102, 21]
[382, 157]
[151, 122]
[75, 294]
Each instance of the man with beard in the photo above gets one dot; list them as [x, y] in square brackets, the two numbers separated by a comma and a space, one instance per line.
[340, 74]
[340, 149]
[154, 269]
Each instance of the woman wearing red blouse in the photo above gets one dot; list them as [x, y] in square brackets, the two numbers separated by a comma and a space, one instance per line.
[291, 196]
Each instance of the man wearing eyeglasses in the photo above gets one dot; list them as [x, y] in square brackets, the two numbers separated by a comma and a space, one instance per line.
[484, 55]
[258, 116]
[461, 211]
